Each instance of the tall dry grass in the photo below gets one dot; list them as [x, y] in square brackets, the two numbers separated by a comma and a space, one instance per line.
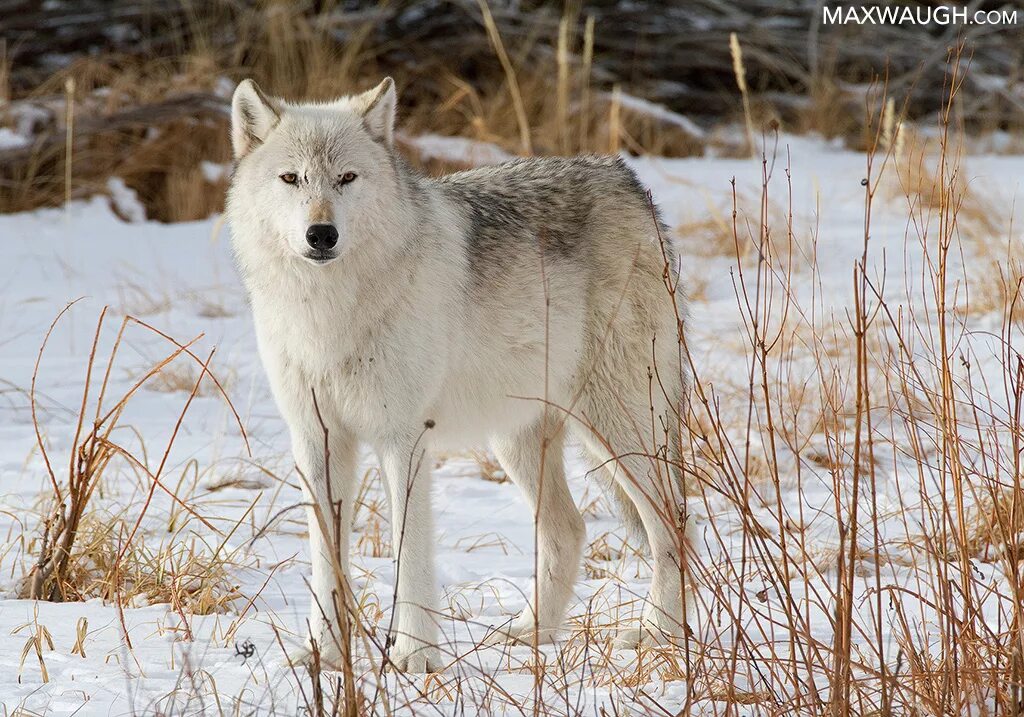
[159, 123]
[915, 445]
[81, 551]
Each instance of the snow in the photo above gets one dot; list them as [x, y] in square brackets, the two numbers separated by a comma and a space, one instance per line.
[657, 111]
[457, 149]
[214, 172]
[9, 139]
[180, 279]
[125, 201]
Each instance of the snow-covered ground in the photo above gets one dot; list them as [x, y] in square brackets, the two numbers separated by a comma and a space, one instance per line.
[180, 279]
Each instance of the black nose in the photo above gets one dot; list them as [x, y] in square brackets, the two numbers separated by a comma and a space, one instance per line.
[322, 236]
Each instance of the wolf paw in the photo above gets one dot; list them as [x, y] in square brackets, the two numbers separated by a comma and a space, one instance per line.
[633, 638]
[521, 631]
[415, 659]
[302, 655]
[647, 634]
[299, 657]
[330, 657]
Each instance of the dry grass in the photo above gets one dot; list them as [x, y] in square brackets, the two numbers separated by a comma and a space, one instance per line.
[81, 553]
[735, 231]
[490, 469]
[984, 220]
[181, 379]
[992, 241]
[370, 519]
[918, 176]
[192, 577]
[153, 123]
[888, 410]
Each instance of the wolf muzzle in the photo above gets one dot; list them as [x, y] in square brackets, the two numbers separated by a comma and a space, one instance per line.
[322, 238]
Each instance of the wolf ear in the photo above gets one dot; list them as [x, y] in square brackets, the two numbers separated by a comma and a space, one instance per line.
[253, 116]
[378, 110]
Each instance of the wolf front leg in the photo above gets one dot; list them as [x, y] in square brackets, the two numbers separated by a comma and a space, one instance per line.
[327, 467]
[415, 632]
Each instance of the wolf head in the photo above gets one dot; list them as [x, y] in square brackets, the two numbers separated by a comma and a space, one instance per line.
[311, 178]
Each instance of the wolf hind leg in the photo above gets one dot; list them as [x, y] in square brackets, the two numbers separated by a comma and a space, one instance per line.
[534, 460]
[624, 505]
[652, 487]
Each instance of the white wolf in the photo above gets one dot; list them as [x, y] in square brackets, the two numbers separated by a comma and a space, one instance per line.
[496, 306]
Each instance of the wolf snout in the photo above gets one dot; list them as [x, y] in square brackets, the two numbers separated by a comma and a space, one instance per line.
[322, 237]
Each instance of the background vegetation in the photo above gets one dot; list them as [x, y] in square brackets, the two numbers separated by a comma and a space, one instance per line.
[145, 84]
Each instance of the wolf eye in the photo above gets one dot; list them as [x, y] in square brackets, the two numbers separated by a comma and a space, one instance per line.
[347, 177]
[289, 178]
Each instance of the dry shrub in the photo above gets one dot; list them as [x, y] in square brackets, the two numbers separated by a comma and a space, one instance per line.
[190, 576]
[148, 122]
[909, 420]
[830, 112]
[83, 553]
[995, 525]
[572, 119]
[179, 378]
[166, 169]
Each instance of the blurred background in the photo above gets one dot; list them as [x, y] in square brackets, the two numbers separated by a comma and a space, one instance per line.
[99, 96]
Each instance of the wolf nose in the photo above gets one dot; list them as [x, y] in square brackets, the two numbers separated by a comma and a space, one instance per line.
[322, 236]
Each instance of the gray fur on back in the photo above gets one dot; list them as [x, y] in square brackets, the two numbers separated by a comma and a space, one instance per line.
[550, 201]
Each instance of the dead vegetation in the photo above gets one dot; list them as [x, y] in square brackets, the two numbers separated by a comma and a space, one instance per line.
[899, 425]
[161, 125]
[148, 104]
[80, 553]
[848, 411]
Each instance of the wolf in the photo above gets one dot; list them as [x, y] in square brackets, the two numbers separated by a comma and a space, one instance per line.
[505, 306]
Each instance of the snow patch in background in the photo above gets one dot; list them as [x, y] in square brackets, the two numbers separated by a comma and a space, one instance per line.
[9, 139]
[125, 201]
[457, 149]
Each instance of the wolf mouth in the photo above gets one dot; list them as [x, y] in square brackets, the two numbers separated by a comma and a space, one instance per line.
[320, 257]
